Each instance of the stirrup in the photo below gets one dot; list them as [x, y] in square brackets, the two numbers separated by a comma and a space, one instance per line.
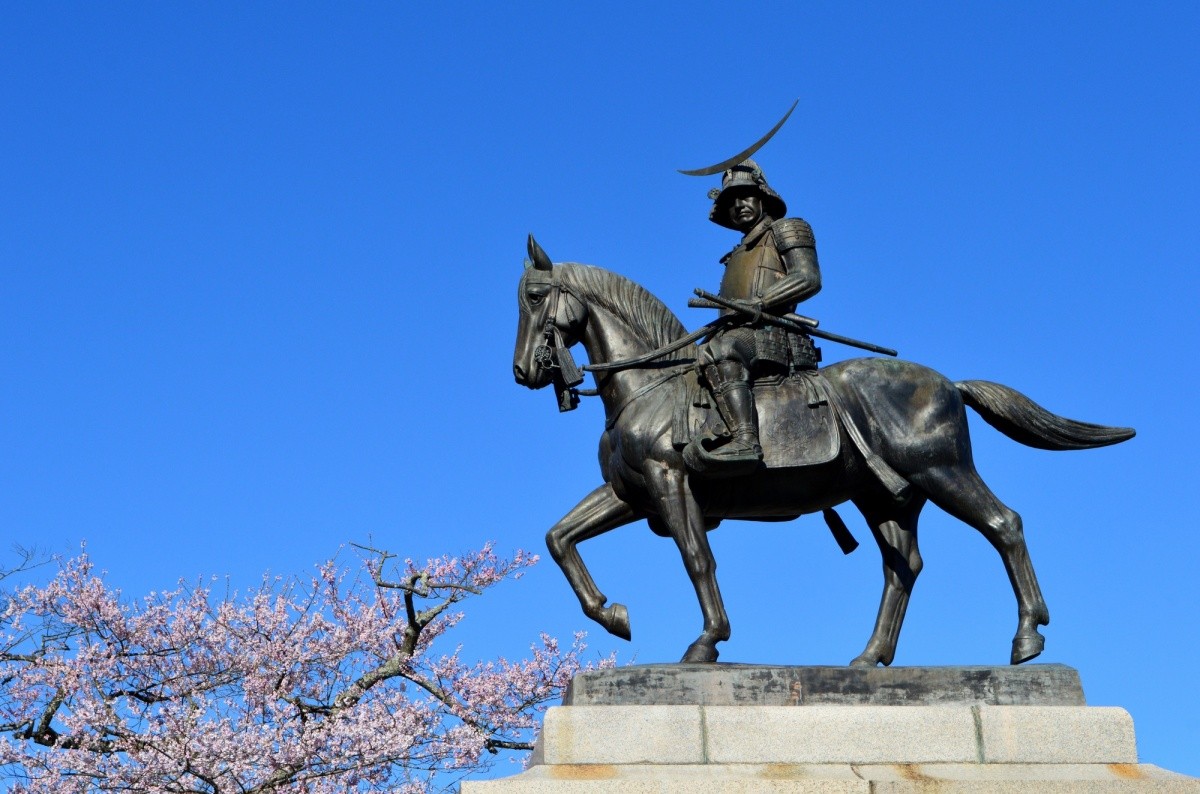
[727, 460]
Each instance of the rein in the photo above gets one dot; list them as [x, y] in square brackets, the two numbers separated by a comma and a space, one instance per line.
[556, 356]
[670, 347]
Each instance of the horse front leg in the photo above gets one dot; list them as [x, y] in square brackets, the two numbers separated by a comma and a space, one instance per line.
[600, 511]
[685, 522]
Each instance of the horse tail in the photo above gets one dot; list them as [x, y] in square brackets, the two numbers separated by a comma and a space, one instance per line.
[1024, 421]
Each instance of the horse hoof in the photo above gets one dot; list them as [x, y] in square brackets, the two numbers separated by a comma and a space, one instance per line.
[1027, 647]
[698, 652]
[616, 621]
[864, 661]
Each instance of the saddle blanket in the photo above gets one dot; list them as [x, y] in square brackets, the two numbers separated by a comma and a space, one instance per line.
[796, 424]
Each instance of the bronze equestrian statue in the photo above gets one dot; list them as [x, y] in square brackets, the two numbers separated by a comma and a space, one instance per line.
[887, 435]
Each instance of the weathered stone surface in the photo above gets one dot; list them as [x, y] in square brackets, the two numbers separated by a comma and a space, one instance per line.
[839, 734]
[1025, 779]
[839, 778]
[678, 779]
[1056, 735]
[836, 735]
[622, 735]
[734, 729]
[670, 782]
[761, 685]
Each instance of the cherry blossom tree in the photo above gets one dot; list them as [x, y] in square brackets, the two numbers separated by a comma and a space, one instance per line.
[332, 685]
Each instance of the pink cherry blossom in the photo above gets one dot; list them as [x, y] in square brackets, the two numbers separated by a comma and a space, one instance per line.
[336, 684]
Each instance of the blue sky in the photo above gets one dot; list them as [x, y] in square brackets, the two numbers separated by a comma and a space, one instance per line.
[260, 262]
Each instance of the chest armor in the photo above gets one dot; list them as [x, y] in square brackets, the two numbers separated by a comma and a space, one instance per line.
[751, 269]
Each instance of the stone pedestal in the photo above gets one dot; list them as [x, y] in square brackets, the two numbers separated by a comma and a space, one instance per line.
[659, 729]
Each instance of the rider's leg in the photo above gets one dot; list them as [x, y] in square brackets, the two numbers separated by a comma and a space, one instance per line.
[730, 382]
[726, 361]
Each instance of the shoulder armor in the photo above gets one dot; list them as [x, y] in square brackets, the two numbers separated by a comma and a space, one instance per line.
[792, 233]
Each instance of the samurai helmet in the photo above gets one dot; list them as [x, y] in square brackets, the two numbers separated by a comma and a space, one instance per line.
[745, 174]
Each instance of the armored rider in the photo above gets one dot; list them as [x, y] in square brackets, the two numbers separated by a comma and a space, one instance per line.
[771, 270]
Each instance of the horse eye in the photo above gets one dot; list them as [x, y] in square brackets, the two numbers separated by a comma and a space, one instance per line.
[536, 297]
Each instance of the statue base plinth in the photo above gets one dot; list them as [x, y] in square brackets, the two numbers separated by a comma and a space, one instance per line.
[745, 728]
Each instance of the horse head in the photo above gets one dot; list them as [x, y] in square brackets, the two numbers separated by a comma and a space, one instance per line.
[551, 318]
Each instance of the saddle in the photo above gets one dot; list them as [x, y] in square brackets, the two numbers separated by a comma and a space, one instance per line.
[800, 419]
[797, 426]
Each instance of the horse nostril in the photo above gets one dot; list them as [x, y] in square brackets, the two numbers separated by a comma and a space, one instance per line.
[518, 373]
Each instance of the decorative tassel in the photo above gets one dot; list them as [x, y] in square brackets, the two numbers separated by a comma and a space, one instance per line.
[571, 374]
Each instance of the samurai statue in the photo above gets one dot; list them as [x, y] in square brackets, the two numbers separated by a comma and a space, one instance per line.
[770, 271]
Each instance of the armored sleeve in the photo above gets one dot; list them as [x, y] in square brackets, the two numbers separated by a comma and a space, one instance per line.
[792, 233]
[798, 249]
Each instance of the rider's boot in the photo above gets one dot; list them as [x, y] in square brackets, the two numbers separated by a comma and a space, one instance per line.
[730, 384]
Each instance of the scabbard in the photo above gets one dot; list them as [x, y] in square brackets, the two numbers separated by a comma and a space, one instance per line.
[793, 322]
[704, 303]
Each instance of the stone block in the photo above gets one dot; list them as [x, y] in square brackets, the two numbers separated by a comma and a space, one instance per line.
[1056, 735]
[839, 734]
[1026, 779]
[763, 685]
[841, 779]
[677, 779]
[738, 729]
[622, 735]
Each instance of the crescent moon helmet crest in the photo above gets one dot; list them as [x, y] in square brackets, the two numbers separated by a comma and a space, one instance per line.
[724, 165]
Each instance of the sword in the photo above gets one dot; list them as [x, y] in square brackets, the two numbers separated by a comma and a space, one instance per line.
[792, 322]
[705, 303]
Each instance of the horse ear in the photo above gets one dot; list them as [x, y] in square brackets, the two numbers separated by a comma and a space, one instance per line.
[538, 256]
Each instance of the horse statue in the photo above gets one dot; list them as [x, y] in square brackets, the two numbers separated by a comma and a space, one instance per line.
[912, 421]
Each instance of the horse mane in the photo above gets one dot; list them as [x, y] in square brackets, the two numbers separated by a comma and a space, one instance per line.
[650, 317]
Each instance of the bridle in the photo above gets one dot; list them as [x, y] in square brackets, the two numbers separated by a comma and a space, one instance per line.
[555, 356]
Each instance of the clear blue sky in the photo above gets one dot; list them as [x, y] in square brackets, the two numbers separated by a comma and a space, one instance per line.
[260, 265]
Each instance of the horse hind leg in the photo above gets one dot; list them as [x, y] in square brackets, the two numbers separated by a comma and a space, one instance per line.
[895, 530]
[599, 512]
[963, 494]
